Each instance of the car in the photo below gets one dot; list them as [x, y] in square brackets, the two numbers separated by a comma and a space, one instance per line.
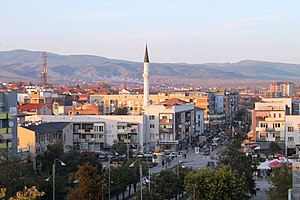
[206, 153]
[148, 154]
[138, 155]
[103, 156]
[212, 164]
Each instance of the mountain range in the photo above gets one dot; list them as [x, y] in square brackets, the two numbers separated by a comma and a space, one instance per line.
[23, 65]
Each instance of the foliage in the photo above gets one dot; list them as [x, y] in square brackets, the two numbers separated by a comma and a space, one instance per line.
[241, 114]
[89, 184]
[148, 195]
[28, 194]
[2, 192]
[281, 178]
[274, 148]
[53, 151]
[166, 184]
[234, 157]
[14, 175]
[119, 147]
[223, 183]
[74, 159]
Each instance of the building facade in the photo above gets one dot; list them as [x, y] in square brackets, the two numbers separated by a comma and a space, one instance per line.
[8, 122]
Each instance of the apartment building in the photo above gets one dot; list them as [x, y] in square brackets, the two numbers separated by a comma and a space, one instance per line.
[292, 134]
[268, 119]
[170, 124]
[35, 138]
[8, 122]
[95, 132]
[283, 89]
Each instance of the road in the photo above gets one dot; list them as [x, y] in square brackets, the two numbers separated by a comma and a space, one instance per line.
[192, 160]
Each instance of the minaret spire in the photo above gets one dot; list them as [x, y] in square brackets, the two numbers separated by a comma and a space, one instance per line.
[146, 57]
[146, 78]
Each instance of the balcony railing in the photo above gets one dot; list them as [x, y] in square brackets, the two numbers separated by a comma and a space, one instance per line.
[166, 121]
[5, 115]
[5, 130]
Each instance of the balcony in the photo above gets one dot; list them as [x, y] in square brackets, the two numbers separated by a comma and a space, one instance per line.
[165, 130]
[167, 141]
[5, 115]
[5, 130]
[166, 121]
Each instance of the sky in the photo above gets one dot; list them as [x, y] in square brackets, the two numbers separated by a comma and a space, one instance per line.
[176, 31]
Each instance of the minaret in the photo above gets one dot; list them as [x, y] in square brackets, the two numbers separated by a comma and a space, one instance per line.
[146, 78]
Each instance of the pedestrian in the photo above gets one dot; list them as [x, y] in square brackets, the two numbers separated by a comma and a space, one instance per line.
[163, 163]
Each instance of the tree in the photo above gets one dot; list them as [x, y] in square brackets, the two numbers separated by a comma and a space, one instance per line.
[119, 147]
[89, 184]
[274, 148]
[281, 178]
[14, 175]
[234, 157]
[53, 151]
[2, 192]
[28, 194]
[213, 184]
[166, 184]
[148, 195]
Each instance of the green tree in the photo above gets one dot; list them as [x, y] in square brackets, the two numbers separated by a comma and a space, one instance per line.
[14, 175]
[166, 184]
[274, 148]
[148, 195]
[119, 147]
[89, 184]
[53, 151]
[234, 157]
[281, 178]
[213, 184]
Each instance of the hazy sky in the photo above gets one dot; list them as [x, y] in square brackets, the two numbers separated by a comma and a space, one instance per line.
[191, 31]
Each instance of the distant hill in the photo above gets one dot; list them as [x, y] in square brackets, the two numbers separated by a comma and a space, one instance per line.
[26, 65]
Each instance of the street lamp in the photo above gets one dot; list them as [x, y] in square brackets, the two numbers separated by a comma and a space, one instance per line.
[53, 174]
[141, 177]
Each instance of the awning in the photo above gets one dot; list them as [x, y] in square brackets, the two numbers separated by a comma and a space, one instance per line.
[264, 165]
[257, 148]
[275, 163]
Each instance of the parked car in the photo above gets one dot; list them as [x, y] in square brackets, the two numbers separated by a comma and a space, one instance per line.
[103, 156]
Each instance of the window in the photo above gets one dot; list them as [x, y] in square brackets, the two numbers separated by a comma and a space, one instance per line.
[264, 125]
[290, 139]
[152, 126]
[274, 115]
[151, 117]
[152, 136]
[276, 125]
[279, 115]
[290, 129]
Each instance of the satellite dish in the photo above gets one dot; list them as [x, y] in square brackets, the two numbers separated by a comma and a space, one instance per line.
[11, 124]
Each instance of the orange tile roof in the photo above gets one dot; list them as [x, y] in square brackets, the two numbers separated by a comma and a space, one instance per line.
[173, 101]
[30, 107]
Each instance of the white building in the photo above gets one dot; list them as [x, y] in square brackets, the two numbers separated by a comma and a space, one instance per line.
[170, 124]
[268, 120]
[94, 132]
[292, 131]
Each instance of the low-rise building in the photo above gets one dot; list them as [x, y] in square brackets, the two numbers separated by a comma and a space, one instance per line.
[35, 138]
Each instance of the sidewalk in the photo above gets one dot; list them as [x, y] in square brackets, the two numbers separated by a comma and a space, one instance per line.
[263, 185]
